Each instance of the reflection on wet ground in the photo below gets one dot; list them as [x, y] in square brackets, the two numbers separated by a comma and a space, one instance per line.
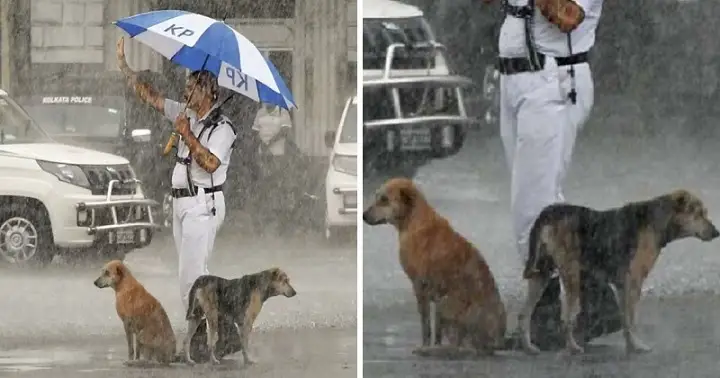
[683, 332]
[616, 160]
[56, 323]
[304, 353]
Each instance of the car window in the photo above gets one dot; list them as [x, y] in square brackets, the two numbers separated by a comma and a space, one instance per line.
[378, 104]
[349, 127]
[94, 119]
[16, 126]
[378, 34]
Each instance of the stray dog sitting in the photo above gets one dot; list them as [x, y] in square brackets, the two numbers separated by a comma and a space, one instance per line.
[444, 268]
[619, 246]
[240, 299]
[147, 327]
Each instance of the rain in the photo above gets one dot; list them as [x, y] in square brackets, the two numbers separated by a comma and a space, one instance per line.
[652, 129]
[72, 130]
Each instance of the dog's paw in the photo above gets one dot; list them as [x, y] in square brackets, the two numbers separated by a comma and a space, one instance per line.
[531, 349]
[638, 347]
[422, 351]
[213, 360]
[573, 348]
[136, 363]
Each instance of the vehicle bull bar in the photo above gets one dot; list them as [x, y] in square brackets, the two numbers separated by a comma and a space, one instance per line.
[347, 208]
[142, 208]
[425, 113]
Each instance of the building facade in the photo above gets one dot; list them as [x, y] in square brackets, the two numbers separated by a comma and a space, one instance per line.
[50, 44]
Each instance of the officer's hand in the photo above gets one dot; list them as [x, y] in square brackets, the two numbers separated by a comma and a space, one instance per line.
[122, 63]
[182, 125]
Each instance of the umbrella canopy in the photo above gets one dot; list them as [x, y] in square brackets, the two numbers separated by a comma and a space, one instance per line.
[199, 42]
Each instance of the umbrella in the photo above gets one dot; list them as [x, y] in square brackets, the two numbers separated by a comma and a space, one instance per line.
[199, 42]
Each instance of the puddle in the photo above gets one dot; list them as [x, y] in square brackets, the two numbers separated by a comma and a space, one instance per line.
[24, 360]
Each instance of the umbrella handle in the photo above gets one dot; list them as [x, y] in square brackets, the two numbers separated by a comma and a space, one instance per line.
[170, 143]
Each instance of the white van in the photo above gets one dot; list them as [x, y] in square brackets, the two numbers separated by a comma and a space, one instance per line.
[413, 105]
[341, 181]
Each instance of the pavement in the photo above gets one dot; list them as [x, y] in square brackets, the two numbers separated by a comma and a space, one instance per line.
[56, 323]
[621, 156]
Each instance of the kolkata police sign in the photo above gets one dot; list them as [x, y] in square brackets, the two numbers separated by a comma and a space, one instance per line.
[67, 100]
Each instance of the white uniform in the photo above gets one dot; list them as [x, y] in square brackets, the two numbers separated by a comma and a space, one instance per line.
[538, 122]
[194, 226]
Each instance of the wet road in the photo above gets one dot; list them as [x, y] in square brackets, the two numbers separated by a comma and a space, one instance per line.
[55, 323]
[619, 158]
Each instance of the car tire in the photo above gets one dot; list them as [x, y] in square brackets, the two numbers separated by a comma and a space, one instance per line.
[25, 235]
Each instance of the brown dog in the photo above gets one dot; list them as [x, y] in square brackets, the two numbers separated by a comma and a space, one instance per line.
[147, 326]
[443, 267]
[619, 246]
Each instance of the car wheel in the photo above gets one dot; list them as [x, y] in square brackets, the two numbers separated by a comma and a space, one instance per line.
[25, 236]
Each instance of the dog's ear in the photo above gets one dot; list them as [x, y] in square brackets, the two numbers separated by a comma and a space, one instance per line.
[119, 271]
[274, 273]
[407, 196]
[681, 199]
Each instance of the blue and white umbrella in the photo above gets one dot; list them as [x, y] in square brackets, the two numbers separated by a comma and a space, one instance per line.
[200, 42]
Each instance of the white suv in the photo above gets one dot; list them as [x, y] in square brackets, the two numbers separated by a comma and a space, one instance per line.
[56, 198]
[341, 181]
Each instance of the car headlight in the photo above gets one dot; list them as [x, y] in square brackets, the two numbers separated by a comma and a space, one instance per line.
[71, 174]
[345, 164]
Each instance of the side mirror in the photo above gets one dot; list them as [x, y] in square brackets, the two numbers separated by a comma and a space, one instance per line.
[329, 139]
[141, 135]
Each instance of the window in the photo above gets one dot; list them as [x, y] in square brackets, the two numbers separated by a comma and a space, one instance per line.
[378, 104]
[379, 34]
[415, 102]
[349, 128]
[16, 126]
[283, 61]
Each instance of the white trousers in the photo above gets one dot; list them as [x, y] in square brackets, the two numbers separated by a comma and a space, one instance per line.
[194, 230]
[538, 127]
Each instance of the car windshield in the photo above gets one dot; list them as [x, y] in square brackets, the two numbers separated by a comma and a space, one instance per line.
[349, 128]
[87, 120]
[16, 126]
[380, 32]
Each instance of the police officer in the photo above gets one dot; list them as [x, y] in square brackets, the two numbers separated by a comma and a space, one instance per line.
[546, 94]
[203, 157]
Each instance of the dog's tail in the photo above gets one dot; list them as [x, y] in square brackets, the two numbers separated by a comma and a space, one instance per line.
[539, 262]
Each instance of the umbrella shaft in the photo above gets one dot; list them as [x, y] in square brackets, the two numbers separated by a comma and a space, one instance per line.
[170, 143]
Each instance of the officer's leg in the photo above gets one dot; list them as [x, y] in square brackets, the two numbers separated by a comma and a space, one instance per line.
[579, 113]
[538, 164]
[198, 234]
[508, 121]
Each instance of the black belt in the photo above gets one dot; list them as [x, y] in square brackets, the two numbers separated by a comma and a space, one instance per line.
[185, 192]
[509, 66]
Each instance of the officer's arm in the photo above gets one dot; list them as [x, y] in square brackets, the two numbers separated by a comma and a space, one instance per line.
[205, 159]
[218, 150]
[143, 90]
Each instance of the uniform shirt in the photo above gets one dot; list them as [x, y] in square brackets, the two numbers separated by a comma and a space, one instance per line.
[549, 40]
[268, 124]
[219, 144]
